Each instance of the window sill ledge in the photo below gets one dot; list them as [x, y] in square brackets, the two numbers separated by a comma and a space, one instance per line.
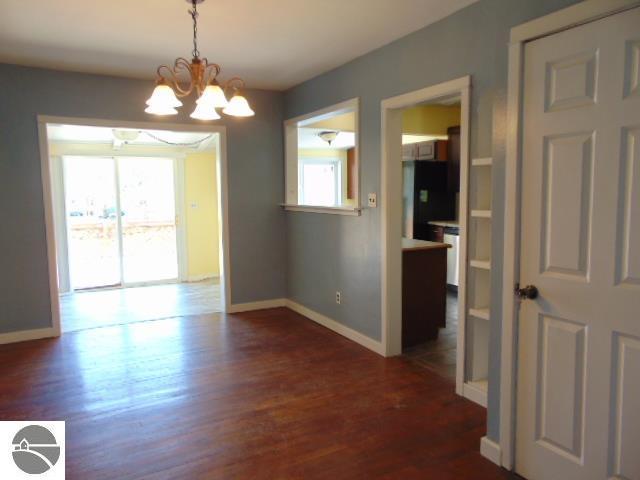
[352, 211]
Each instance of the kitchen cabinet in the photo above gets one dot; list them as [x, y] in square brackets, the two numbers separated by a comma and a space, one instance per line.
[433, 150]
[352, 174]
[453, 157]
[436, 233]
[424, 294]
[408, 152]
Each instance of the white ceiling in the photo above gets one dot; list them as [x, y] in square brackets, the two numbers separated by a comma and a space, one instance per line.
[272, 44]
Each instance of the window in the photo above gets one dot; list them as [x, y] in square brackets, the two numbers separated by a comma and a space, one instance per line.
[319, 182]
[321, 160]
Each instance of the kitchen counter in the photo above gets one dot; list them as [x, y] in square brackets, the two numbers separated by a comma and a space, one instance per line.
[445, 223]
[411, 244]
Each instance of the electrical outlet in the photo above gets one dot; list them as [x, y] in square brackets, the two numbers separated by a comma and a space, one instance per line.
[372, 200]
[338, 298]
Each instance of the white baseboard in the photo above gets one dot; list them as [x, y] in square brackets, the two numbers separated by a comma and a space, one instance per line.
[491, 450]
[339, 328]
[24, 335]
[260, 305]
[475, 394]
[200, 278]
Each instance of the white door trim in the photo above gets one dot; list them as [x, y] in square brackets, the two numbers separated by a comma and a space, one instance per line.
[581, 13]
[46, 170]
[391, 205]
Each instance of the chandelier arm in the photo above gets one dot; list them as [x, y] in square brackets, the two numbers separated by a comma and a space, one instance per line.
[212, 70]
[182, 64]
[236, 83]
[167, 74]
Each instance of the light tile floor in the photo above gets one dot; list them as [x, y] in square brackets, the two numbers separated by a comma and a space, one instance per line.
[439, 355]
[99, 308]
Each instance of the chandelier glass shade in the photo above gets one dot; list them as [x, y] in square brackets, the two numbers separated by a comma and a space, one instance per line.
[201, 77]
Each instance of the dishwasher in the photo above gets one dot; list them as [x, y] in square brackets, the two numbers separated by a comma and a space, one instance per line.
[452, 237]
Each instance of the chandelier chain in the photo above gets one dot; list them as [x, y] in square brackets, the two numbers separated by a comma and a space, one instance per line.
[194, 16]
[178, 144]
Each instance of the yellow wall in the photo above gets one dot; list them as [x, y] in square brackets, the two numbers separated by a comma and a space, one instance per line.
[430, 119]
[201, 206]
[345, 122]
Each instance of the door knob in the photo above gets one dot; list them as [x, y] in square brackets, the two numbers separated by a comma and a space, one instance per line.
[529, 292]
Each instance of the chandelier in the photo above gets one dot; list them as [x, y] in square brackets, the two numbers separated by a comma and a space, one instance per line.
[202, 78]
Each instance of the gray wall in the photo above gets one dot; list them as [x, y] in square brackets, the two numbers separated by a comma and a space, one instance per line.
[257, 224]
[329, 252]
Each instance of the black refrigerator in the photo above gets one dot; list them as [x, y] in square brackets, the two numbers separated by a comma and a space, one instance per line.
[426, 197]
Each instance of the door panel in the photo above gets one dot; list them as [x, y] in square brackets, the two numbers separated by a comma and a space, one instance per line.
[147, 201]
[632, 69]
[626, 426]
[579, 341]
[561, 376]
[566, 181]
[92, 227]
[629, 213]
[571, 81]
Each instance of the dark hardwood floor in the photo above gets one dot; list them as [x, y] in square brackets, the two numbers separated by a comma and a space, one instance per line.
[265, 394]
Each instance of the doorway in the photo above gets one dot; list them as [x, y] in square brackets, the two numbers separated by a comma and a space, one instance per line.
[393, 251]
[138, 219]
[431, 219]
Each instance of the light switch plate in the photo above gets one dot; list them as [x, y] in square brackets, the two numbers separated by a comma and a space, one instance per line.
[372, 200]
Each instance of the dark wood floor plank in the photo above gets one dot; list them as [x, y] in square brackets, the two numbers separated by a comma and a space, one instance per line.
[265, 394]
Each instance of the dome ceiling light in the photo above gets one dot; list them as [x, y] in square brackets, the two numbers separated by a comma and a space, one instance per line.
[202, 78]
[328, 136]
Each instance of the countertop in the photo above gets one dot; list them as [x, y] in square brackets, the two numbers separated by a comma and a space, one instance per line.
[410, 244]
[446, 223]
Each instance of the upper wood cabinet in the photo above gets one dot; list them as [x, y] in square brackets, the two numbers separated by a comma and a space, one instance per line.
[408, 152]
[352, 174]
[434, 150]
[453, 155]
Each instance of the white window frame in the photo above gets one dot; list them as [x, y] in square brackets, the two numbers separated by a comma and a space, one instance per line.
[336, 162]
[291, 126]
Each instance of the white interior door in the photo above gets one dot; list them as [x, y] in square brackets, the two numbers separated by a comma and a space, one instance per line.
[579, 342]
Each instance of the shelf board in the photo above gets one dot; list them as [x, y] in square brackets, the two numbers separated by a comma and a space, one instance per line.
[481, 213]
[481, 313]
[482, 162]
[483, 264]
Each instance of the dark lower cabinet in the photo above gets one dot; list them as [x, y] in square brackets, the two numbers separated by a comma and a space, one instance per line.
[436, 233]
[424, 295]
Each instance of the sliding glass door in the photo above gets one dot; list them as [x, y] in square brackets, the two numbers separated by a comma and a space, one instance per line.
[121, 221]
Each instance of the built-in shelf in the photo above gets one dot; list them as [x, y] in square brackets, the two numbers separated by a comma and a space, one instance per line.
[477, 326]
[481, 213]
[482, 162]
[482, 313]
[483, 264]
